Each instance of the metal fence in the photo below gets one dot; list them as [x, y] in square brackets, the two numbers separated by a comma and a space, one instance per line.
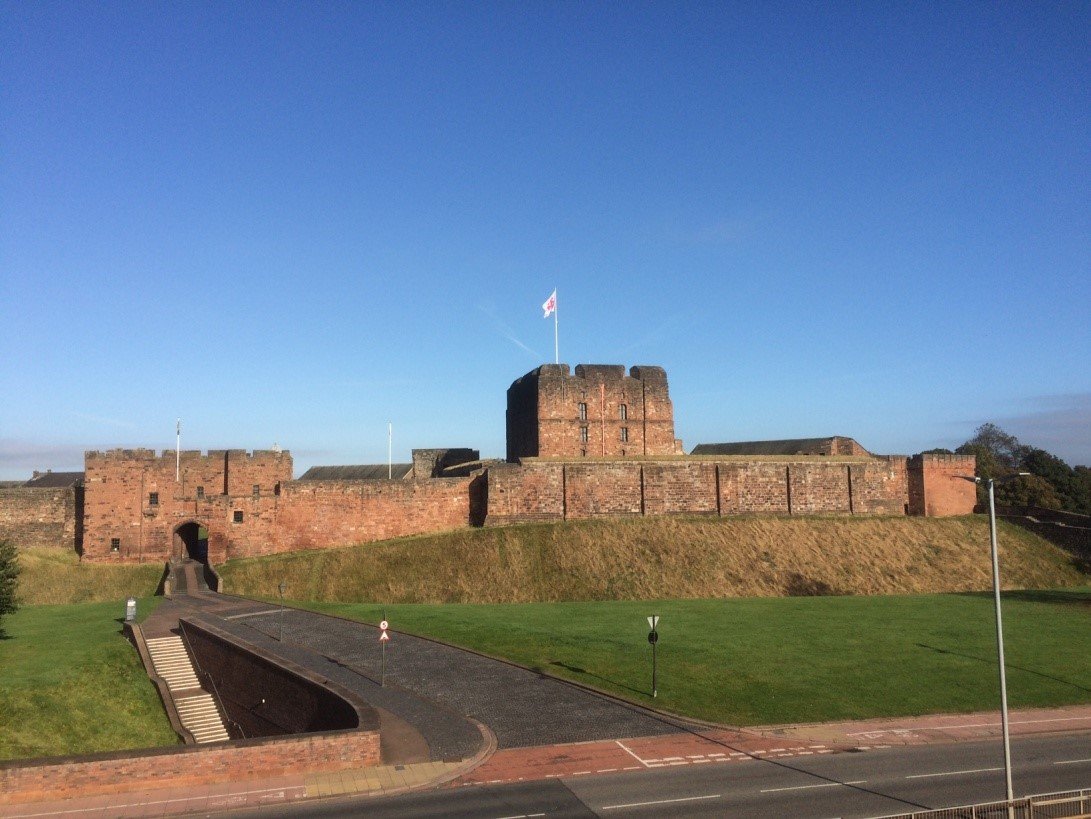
[1063, 805]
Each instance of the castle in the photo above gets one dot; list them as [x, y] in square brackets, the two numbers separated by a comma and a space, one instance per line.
[598, 442]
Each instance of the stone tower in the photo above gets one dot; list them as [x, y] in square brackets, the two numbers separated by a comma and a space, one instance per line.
[599, 412]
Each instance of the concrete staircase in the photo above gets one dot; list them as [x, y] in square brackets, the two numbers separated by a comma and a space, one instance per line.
[196, 708]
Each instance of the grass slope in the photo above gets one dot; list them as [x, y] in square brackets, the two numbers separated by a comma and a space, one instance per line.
[49, 576]
[72, 684]
[768, 661]
[664, 557]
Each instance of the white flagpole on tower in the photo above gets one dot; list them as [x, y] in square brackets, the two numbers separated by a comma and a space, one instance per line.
[389, 450]
[178, 451]
[556, 343]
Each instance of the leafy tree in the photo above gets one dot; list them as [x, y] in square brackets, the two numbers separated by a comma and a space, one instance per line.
[1032, 490]
[1004, 449]
[1082, 478]
[1052, 482]
[9, 578]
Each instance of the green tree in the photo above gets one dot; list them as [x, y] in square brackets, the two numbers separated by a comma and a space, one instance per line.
[1052, 483]
[9, 579]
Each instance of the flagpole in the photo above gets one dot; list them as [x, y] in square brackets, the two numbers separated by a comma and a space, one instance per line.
[178, 451]
[556, 343]
[389, 450]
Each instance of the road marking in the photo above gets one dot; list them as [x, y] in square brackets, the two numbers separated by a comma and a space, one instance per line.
[1071, 761]
[660, 802]
[953, 773]
[521, 816]
[630, 753]
[968, 725]
[253, 614]
[824, 785]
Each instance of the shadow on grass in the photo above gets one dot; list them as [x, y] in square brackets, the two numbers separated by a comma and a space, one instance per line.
[1062, 596]
[575, 669]
[991, 661]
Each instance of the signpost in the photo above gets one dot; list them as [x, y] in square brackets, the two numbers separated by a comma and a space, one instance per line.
[384, 638]
[653, 638]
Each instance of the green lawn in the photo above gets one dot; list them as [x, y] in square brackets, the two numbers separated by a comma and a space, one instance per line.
[803, 659]
[70, 683]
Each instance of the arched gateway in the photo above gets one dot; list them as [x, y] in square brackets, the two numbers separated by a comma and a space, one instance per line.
[191, 540]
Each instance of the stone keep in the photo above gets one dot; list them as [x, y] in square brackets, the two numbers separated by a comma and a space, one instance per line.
[599, 412]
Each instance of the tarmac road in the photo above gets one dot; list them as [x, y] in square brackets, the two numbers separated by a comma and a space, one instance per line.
[867, 784]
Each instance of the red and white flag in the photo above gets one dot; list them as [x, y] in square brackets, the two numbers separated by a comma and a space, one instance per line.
[550, 305]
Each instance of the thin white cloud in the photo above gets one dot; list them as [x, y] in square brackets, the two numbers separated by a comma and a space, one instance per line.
[19, 458]
[508, 333]
[1062, 426]
[98, 419]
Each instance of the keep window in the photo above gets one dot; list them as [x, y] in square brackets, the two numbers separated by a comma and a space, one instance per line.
[624, 434]
[583, 434]
[623, 412]
[257, 490]
[583, 411]
[200, 492]
[153, 499]
[115, 544]
[237, 516]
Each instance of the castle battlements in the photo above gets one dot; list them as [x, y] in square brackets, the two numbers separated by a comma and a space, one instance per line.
[184, 455]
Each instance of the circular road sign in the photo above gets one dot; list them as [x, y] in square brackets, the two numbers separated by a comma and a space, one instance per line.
[384, 625]
[653, 637]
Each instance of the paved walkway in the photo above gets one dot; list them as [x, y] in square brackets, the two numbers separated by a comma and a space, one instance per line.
[519, 706]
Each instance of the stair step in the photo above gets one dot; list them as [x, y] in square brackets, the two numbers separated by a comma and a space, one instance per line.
[198, 712]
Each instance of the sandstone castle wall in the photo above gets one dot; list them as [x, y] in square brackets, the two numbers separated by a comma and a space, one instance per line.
[136, 507]
[36, 518]
[561, 489]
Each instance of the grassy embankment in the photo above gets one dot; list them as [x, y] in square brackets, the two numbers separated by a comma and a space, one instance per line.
[57, 576]
[654, 558]
[767, 661]
[738, 659]
[70, 683]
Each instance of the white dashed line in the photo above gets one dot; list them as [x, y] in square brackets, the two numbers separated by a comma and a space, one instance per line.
[660, 802]
[806, 787]
[953, 773]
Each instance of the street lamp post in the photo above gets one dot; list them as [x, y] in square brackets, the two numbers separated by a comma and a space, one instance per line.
[280, 616]
[990, 482]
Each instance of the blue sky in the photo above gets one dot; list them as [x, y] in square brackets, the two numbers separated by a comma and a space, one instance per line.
[294, 223]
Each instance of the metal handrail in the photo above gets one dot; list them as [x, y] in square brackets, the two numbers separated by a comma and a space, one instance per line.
[1023, 807]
